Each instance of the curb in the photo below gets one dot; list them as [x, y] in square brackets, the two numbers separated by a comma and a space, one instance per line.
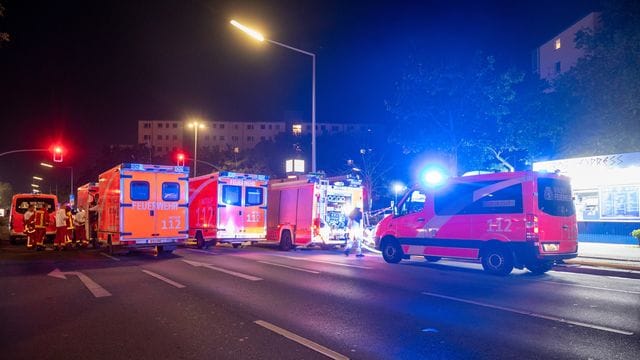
[603, 263]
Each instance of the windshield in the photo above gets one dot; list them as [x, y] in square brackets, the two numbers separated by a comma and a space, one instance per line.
[554, 197]
[22, 204]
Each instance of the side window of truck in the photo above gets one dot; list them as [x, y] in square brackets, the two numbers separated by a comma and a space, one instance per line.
[253, 196]
[414, 203]
[232, 195]
[170, 191]
[139, 190]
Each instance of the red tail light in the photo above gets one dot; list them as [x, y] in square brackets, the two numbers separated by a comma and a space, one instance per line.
[531, 227]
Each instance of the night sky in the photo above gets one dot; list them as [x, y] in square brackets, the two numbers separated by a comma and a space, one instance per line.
[85, 72]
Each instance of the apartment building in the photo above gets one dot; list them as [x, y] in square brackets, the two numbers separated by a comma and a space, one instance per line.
[162, 136]
[560, 54]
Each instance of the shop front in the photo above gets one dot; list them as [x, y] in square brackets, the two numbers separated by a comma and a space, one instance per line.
[606, 192]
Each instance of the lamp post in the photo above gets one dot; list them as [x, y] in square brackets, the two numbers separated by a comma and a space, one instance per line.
[195, 125]
[256, 35]
[397, 187]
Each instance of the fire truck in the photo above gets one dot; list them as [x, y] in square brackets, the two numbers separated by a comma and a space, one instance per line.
[227, 207]
[142, 205]
[310, 210]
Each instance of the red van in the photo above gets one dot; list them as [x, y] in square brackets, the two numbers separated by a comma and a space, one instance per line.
[19, 205]
[517, 219]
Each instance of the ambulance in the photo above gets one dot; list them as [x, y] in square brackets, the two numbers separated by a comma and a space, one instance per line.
[311, 210]
[142, 205]
[227, 207]
[506, 220]
[19, 205]
[88, 198]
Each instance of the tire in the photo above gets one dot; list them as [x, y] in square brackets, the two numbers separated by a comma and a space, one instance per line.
[285, 241]
[199, 240]
[540, 267]
[391, 251]
[432, 258]
[497, 260]
[236, 245]
[13, 240]
[211, 243]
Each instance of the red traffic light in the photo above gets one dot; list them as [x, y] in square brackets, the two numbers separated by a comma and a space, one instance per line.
[180, 158]
[57, 153]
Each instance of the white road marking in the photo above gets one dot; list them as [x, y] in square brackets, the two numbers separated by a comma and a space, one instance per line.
[589, 287]
[202, 251]
[96, 290]
[532, 314]
[160, 277]
[230, 272]
[326, 262]
[302, 341]
[109, 256]
[289, 267]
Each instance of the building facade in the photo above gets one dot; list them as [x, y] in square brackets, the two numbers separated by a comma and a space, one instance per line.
[560, 54]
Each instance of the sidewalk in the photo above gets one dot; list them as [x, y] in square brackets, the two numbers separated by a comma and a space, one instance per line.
[617, 256]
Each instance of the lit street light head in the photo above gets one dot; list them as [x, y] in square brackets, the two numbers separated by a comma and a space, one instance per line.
[254, 34]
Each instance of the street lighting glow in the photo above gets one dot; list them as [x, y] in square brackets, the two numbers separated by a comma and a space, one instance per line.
[37, 178]
[254, 34]
[35, 185]
[46, 165]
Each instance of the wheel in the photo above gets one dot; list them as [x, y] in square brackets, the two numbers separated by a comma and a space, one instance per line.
[211, 243]
[236, 245]
[497, 260]
[392, 252]
[432, 258]
[199, 240]
[285, 241]
[12, 240]
[540, 267]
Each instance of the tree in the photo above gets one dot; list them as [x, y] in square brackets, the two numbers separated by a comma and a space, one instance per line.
[603, 89]
[454, 108]
[4, 36]
[6, 192]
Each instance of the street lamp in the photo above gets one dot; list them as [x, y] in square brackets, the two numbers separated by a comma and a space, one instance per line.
[397, 187]
[195, 125]
[256, 35]
[37, 178]
[68, 167]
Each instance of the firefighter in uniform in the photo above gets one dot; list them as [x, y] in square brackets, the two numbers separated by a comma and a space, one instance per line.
[41, 220]
[80, 222]
[68, 241]
[29, 226]
[61, 229]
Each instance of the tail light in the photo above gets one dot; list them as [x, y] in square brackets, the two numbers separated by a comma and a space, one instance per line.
[531, 228]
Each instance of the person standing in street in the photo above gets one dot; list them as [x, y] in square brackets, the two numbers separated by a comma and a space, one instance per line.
[61, 229]
[355, 232]
[29, 225]
[41, 221]
[68, 241]
[80, 221]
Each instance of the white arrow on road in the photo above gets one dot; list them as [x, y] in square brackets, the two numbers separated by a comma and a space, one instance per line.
[96, 290]
[230, 272]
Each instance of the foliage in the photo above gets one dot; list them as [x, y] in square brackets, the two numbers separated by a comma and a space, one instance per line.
[454, 108]
[4, 36]
[636, 234]
[6, 192]
[603, 89]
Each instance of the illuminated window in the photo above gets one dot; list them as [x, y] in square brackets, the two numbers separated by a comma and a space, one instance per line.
[558, 44]
[296, 129]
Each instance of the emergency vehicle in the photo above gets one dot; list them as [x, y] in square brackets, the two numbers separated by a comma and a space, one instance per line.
[19, 205]
[310, 210]
[87, 198]
[517, 219]
[142, 205]
[227, 207]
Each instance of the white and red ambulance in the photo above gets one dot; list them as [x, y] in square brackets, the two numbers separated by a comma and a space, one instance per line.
[310, 210]
[227, 207]
[142, 205]
[516, 219]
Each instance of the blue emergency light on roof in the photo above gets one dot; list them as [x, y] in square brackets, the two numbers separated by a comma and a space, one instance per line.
[433, 177]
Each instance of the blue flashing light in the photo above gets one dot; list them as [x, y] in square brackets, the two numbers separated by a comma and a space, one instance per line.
[433, 177]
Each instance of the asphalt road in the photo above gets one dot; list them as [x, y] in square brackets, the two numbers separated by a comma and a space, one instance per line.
[260, 303]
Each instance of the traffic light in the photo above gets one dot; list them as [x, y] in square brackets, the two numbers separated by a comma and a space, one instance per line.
[57, 153]
[180, 158]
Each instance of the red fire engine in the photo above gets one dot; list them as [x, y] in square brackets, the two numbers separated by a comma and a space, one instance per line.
[310, 210]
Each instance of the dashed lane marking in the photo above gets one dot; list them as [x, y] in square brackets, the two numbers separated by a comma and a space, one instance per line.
[289, 267]
[326, 262]
[230, 272]
[160, 277]
[532, 314]
[302, 341]
[109, 256]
